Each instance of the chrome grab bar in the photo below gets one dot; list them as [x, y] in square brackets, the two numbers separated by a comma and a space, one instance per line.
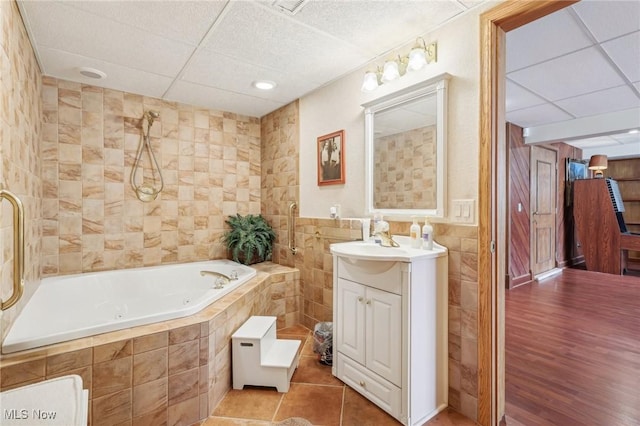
[291, 228]
[18, 249]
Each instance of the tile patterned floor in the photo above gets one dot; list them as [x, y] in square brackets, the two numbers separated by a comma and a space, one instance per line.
[315, 394]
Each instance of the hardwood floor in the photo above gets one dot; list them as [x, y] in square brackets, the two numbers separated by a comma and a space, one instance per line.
[573, 351]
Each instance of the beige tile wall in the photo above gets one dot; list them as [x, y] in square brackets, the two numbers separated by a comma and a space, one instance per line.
[93, 221]
[280, 141]
[280, 134]
[20, 118]
[405, 170]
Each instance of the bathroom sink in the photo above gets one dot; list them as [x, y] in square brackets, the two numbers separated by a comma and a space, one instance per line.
[371, 251]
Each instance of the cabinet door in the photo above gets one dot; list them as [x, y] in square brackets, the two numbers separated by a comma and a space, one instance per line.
[351, 316]
[384, 334]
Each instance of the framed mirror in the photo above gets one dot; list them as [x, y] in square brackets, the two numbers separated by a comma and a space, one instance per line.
[405, 149]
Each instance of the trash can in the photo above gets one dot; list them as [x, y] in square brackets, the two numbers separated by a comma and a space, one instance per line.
[323, 342]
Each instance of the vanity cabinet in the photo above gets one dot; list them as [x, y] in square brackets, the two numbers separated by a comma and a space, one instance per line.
[390, 330]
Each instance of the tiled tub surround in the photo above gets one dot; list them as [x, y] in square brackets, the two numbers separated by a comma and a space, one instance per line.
[20, 134]
[92, 221]
[175, 371]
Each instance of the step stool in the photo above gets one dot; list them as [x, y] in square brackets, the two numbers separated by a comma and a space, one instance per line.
[259, 359]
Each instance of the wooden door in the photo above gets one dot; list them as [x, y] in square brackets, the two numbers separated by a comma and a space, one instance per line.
[544, 191]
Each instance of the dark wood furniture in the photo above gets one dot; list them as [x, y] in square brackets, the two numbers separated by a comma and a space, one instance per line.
[599, 230]
[627, 173]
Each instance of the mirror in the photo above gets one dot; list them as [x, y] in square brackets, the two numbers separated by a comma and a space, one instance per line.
[405, 140]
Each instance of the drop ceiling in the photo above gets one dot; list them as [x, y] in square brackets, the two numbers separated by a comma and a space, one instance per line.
[208, 53]
[579, 62]
[578, 65]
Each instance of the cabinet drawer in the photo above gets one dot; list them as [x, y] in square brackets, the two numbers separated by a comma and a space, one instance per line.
[382, 393]
[383, 275]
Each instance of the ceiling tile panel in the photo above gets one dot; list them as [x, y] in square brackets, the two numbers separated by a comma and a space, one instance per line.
[537, 115]
[600, 141]
[553, 36]
[377, 26]
[255, 35]
[212, 69]
[625, 52]
[220, 100]
[519, 97]
[185, 21]
[63, 65]
[609, 100]
[627, 138]
[59, 26]
[569, 75]
[609, 19]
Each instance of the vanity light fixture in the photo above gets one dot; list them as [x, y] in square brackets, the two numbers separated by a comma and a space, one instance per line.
[264, 84]
[420, 55]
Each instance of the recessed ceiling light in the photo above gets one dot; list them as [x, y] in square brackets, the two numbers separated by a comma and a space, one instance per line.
[92, 73]
[264, 84]
[632, 131]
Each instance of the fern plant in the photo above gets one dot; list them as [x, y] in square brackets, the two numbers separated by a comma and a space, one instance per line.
[250, 239]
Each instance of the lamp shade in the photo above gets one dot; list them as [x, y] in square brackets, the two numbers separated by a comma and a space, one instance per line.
[417, 58]
[370, 82]
[598, 163]
[390, 71]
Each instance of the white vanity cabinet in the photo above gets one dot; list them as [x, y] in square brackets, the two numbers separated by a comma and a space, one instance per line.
[390, 327]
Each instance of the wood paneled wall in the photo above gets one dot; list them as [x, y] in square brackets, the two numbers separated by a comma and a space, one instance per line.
[567, 250]
[519, 265]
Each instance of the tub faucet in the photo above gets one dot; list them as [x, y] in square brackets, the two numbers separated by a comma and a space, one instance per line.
[221, 279]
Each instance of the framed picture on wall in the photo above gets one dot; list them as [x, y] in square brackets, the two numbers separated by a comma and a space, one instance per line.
[331, 165]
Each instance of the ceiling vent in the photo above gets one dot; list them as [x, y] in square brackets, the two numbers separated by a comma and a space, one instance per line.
[290, 7]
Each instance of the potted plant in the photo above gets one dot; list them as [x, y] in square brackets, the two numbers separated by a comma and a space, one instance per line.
[250, 239]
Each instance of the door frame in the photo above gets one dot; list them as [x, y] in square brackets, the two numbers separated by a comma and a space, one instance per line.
[492, 196]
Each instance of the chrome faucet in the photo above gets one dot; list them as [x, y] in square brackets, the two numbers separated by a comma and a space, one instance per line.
[221, 279]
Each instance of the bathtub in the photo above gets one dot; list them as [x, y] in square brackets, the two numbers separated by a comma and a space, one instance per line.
[74, 306]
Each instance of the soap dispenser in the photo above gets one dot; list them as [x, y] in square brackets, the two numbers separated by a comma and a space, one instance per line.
[427, 235]
[414, 233]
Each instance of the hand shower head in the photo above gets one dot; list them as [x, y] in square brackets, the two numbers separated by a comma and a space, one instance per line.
[151, 116]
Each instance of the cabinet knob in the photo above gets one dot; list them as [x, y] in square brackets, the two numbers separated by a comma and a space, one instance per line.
[360, 299]
[362, 383]
[368, 301]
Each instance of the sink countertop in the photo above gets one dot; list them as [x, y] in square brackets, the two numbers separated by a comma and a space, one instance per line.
[371, 251]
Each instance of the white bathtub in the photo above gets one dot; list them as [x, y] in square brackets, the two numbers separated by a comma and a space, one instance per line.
[73, 306]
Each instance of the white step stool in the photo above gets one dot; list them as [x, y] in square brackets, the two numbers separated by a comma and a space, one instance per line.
[259, 359]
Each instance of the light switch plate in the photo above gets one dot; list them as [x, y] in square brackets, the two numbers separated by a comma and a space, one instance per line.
[463, 211]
